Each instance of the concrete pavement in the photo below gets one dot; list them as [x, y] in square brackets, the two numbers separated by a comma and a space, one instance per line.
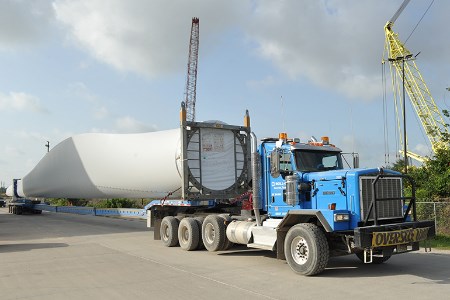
[63, 256]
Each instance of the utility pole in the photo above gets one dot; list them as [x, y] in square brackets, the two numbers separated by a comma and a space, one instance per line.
[404, 118]
[48, 146]
[403, 59]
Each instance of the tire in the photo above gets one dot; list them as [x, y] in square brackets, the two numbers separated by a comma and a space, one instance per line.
[228, 244]
[169, 231]
[188, 234]
[306, 249]
[199, 221]
[376, 260]
[213, 233]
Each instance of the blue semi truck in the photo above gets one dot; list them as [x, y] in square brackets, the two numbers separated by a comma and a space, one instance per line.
[292, 197]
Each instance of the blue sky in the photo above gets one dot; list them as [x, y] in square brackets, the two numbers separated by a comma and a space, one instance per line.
[70, 67]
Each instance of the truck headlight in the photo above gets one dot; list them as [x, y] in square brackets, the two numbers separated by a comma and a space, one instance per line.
[341, 217]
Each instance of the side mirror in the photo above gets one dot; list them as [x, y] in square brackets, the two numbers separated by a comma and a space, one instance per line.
[275, 164]
[355, 161]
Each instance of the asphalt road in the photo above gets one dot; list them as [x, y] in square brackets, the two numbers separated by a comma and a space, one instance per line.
[62, 256]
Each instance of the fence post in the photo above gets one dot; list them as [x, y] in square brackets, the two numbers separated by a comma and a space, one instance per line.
[435, 216]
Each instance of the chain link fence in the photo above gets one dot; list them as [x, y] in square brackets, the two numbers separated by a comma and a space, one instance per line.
[437, 211]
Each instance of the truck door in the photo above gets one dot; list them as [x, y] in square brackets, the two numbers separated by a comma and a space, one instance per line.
[276, 186]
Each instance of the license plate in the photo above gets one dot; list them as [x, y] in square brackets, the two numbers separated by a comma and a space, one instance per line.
[398, 237]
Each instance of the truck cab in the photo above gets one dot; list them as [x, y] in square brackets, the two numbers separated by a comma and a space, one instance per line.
[305, 163]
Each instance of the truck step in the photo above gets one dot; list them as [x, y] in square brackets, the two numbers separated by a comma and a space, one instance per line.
[264, 237]
[260, 246]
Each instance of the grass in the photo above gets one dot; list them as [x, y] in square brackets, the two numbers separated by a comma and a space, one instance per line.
[439, 242]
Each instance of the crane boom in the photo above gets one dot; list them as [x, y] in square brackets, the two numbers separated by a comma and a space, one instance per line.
[398, 12]
[191, 80]
[403, 67]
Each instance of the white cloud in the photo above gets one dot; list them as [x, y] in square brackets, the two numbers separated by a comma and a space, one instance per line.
[23, 22]
[12, 151]
[30, 135]
[19, 101]
[146, 37]
[82, 91]
[265, 82]
[423, 150]
[335, 44]
[101, 112]
[128, 124]
[330, 43]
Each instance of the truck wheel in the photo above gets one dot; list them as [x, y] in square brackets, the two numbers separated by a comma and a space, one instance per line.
[199, 221]
[169, 231]
[213, 233]
[376, 260]
[188, 234]
[306, 249]
[228, 244]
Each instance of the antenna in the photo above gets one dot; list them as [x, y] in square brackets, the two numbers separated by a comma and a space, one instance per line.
[282, 114]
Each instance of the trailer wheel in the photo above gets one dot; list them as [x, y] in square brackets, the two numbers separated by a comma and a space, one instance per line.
[306, 249]
[199, 221]
[213, 233]
[376, 260]
[188, 234]
[169, 231]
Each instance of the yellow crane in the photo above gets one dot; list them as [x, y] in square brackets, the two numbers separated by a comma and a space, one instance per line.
[406, 75]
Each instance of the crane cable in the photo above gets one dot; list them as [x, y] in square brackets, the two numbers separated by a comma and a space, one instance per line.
[396, 103]
[431, 3]
[414, 29]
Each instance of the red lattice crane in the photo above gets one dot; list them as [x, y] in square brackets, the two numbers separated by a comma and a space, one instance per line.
[191, 80]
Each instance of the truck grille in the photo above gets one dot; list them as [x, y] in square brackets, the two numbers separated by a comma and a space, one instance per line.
[385, 188]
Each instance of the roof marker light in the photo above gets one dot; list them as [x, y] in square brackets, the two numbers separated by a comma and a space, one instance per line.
[282, 136]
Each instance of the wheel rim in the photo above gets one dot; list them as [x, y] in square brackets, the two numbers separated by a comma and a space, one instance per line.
[184, 234]
[165, 232]
[209, 233]
[299, 250]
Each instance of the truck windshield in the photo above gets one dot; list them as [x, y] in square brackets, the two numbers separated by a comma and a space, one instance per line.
[313, 161]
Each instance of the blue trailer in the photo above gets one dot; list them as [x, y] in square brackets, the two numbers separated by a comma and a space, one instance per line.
[295, 198]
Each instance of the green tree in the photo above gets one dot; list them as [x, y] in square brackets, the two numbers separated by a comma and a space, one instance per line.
[433, 177]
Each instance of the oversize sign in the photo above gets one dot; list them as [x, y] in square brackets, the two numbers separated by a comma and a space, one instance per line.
[398, 237]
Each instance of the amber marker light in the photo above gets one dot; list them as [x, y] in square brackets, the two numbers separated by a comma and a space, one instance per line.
[282, 136]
